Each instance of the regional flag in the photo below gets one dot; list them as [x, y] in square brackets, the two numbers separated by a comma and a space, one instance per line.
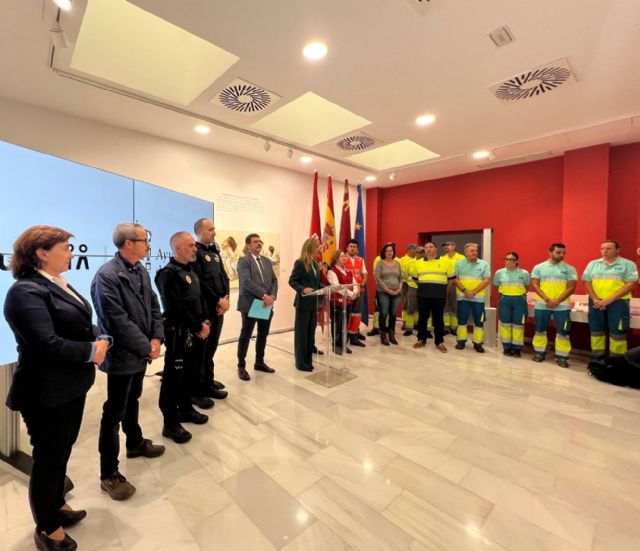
[315, 229]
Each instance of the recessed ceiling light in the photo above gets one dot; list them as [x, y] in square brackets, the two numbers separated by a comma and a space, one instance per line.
[482, 154]
[202, 129]
[306, 160]
[63, 4]
[315, 50]
[370, 179]
[423, 120]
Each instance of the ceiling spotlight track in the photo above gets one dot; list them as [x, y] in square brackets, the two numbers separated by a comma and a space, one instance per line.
[198, 116]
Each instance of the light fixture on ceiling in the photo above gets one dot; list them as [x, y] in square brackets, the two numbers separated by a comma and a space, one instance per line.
[202, 129]
[63, 4]
[289, 153]
[370, 178]
[306, 160]
[424, 120]
[58, 36]
[501, 36]
[481, 154]
[315, 50]
[392, 176]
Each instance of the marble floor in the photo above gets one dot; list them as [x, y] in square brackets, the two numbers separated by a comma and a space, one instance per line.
[421, 451]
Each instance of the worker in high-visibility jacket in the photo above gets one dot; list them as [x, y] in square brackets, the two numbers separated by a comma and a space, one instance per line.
[472, 278]
[554, 281]
[433, 275]
[609, 281]
[409, 287]
[511, 283]
[450, 317]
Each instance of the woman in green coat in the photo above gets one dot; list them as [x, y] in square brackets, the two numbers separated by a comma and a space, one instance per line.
[305, 278]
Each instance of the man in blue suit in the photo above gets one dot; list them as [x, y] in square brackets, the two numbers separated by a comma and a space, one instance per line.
[257, 280]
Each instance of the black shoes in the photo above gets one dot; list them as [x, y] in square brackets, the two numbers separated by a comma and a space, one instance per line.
[216, 393]
[460, 345]
[193, 416]
[375, 331]
[407, 333]
[508, 352]
[177, 433]
[318, 352]
[264, 368]
[243, 375]
[562, 362]
[218, 385]
[146, 449]
[429, 335]
[362, 337]
[70, 518]
[117, 487]
[43, 543]
[538, 357]
[203, 402]
[305, 368]
[354, 340]
[516, 353]
[478, 348]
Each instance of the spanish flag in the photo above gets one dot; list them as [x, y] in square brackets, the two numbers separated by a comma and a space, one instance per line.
[328, 241]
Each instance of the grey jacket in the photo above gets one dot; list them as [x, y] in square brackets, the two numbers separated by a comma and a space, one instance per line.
[251, 284]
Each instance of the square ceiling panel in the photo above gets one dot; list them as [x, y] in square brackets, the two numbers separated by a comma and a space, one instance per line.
[124, 44]
[394, 155]
[310, 120]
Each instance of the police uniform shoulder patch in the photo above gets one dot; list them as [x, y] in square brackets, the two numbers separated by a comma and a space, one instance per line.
[207, 258]
[188, 279]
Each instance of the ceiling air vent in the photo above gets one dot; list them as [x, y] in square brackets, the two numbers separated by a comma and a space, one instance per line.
[535, 82]
[357, 142]
[245, 98]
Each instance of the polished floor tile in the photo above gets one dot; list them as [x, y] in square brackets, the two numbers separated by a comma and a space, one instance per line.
[422, 451]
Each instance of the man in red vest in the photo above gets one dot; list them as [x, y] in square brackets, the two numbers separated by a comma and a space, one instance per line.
[355, 265]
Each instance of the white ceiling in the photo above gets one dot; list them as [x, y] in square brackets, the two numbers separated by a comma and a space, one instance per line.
[386, 62]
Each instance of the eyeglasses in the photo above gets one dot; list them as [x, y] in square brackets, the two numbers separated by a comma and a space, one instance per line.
[140, 241]
[510, 258]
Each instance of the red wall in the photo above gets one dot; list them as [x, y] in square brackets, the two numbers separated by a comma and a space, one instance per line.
[579, 197]
[511, 200]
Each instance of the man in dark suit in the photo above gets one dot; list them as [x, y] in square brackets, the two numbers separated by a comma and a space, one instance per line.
[257, 280]
[214, 284]
[128, 310]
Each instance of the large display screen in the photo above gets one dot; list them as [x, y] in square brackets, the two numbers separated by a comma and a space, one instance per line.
[41, 189]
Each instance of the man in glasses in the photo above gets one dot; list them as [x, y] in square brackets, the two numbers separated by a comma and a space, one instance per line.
[128, 310]
[554, 281]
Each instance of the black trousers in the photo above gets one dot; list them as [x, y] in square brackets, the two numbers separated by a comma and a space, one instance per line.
[180, 363]
[304, 337]
[433, 307]
[53, 432]
[245, 337]
[205, 372]
[337, 325]
[122, 406]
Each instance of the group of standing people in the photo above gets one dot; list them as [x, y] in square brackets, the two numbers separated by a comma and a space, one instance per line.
[59, 349]
[446, 292]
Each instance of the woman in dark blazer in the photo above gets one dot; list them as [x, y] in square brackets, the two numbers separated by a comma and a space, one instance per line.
[304, 279]
[57, 351]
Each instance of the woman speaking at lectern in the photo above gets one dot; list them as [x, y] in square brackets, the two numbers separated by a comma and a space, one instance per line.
[304, 279]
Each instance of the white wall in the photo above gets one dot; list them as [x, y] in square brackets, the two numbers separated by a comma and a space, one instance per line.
[188, 169]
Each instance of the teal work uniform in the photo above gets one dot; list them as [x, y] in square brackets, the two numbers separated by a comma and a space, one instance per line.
[470, 275]
[512, 306]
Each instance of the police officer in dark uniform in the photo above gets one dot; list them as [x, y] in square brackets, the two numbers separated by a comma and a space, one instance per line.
[214, 283]
[186, 328]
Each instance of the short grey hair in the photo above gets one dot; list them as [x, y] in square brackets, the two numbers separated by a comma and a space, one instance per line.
[125, 231]
[470, 245]
[176, 237]
[198, 225]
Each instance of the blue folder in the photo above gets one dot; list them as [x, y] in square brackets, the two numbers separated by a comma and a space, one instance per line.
[259, 311]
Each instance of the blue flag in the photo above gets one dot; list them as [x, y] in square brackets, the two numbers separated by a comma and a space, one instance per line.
[358, 235]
